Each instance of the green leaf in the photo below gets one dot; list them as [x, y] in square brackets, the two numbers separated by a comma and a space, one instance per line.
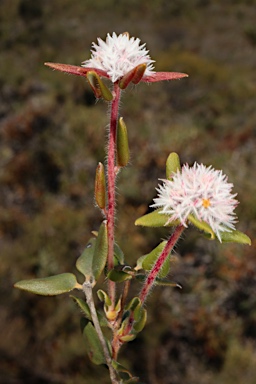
[93, 345]
[93, 259]
[118, 255]
[86, 311]
[98, 87]
[83, 306]
[202, 225]
[118, 276]
[103, 296]
[101, 251]
[235, 237]
[49, 286]
[141, 322]
[172, 165]
[100, 186]
[146, 262]
[156, 219]
[84, 262]
[124, 374]
[122, 145]
[133, 304]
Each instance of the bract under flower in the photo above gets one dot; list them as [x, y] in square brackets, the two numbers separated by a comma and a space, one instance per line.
[202, 192]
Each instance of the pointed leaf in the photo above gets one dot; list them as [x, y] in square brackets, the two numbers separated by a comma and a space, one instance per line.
[161, 76]
[75, 70]
[49, 286]
[84, 262]
[100, 251]
[156, 219]
[93, 345]
[235, 237]
[202, 225]
[172, 165]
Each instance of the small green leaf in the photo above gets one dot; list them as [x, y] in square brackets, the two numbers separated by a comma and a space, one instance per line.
[98, 87]
[235, 237]
[118, 276]
[100, 251]
[202, 225]
[156, 219]
[122, 145]
[83, 306]
[120, 368]
[103, 296]
[141, 322]
[172, 165]
[86, 311]
[84, 262]
[49, 286]
[118, 255]
[93, 345]
[146, 262]
[100, 187]
[133, 304]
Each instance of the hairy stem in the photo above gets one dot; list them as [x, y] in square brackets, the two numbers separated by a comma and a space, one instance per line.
[159, 263]
[111, 187]
[87, 288]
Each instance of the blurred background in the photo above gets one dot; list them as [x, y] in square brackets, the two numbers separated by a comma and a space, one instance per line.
[52, 135]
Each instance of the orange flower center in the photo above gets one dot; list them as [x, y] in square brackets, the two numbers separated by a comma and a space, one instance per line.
[206, 203]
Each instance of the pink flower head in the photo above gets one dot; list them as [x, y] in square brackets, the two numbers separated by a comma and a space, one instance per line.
[202, 192]
[118, 55]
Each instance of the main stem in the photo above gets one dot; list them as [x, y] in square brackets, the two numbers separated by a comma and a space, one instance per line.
[159, 263]
[111, 187]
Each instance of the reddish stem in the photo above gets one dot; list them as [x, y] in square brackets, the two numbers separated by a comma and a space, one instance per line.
[159, 263]
[111, 187]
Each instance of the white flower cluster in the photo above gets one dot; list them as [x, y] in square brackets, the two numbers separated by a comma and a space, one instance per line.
[202, 192]
[119, 55]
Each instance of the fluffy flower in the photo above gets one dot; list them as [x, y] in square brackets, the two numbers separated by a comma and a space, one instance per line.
[202, 192]
[119, 55]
